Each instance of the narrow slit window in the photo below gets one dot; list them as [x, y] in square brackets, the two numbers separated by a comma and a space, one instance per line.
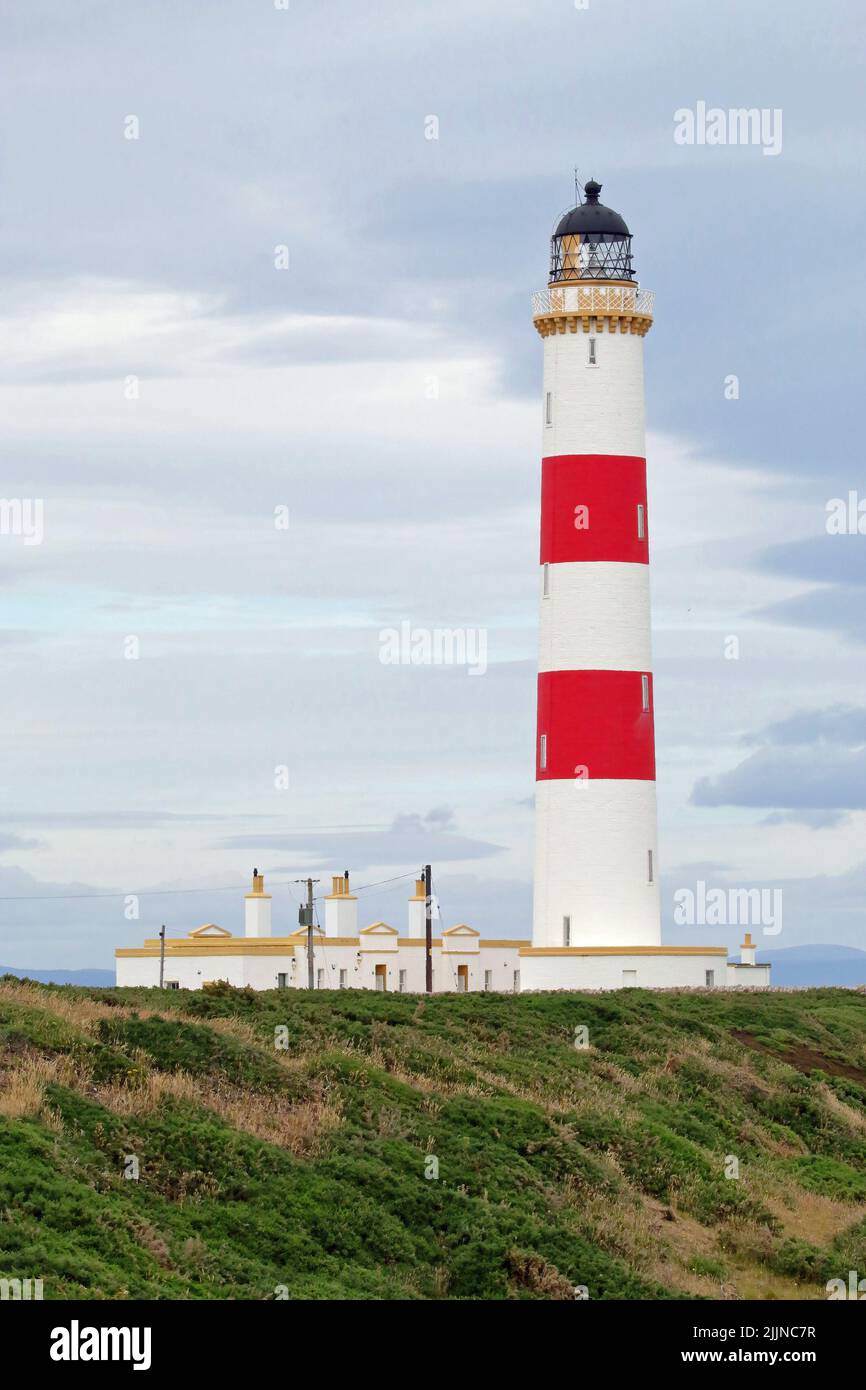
[548, 408]
[545, 582]
[649, 858]
[592, 359]
[644, 693]
[566, 931]
[641, 521]
[542, 752]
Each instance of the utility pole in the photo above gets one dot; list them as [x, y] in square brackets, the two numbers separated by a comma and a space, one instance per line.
[311, 982]
[161, 954]
[428, 928]
[305, 917]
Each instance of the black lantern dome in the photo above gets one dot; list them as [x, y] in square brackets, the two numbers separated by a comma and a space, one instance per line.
[591, 242]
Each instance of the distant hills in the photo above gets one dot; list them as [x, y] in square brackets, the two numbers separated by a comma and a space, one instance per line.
[811, 966]
[95, 979]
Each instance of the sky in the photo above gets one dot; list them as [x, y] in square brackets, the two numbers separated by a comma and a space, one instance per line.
[269, 370]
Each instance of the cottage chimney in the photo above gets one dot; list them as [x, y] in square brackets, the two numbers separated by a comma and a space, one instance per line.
[341, 908]
[257, 908]
[418, 909]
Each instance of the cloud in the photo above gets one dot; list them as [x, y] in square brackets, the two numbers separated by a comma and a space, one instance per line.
[837, 563]
[810, 767]
[19, 842]
[114, 820]
[843, 724]
[410, 840]
[838, 608]
[440, 818]
[831, 779]
[815, 820]
[83, 329]
[830, 559]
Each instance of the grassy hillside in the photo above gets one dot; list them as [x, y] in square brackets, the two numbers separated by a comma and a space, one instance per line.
[304, 1167]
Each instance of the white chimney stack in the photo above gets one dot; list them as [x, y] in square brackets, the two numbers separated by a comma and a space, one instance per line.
[341, 908]
[418, 909]
[257, 908]
[747, 950]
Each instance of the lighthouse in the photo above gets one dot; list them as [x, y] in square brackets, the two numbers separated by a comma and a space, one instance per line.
[596, 854]
[596, 922]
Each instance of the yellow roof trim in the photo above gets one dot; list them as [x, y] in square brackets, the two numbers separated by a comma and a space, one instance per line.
[238, 947]
[624, 951]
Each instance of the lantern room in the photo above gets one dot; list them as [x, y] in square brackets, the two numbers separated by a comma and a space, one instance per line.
[591, 242]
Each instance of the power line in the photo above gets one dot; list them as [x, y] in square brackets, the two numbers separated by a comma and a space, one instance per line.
[88, 897]
[411, 874]
[164, 892]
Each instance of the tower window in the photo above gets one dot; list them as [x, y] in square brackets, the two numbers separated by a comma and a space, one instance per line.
[649, 856]
[644, 693]
[545, 581]
[548, 408]
[542, 752]
[641, 521]
[592, 360]
[566, 931]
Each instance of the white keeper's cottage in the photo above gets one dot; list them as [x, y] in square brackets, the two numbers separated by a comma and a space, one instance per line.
[378, 956]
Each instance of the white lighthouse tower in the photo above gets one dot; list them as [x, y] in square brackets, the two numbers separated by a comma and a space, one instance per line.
[596, 861]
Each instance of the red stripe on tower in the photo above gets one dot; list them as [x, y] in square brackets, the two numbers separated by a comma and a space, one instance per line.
[593, 507]
[594, 724]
